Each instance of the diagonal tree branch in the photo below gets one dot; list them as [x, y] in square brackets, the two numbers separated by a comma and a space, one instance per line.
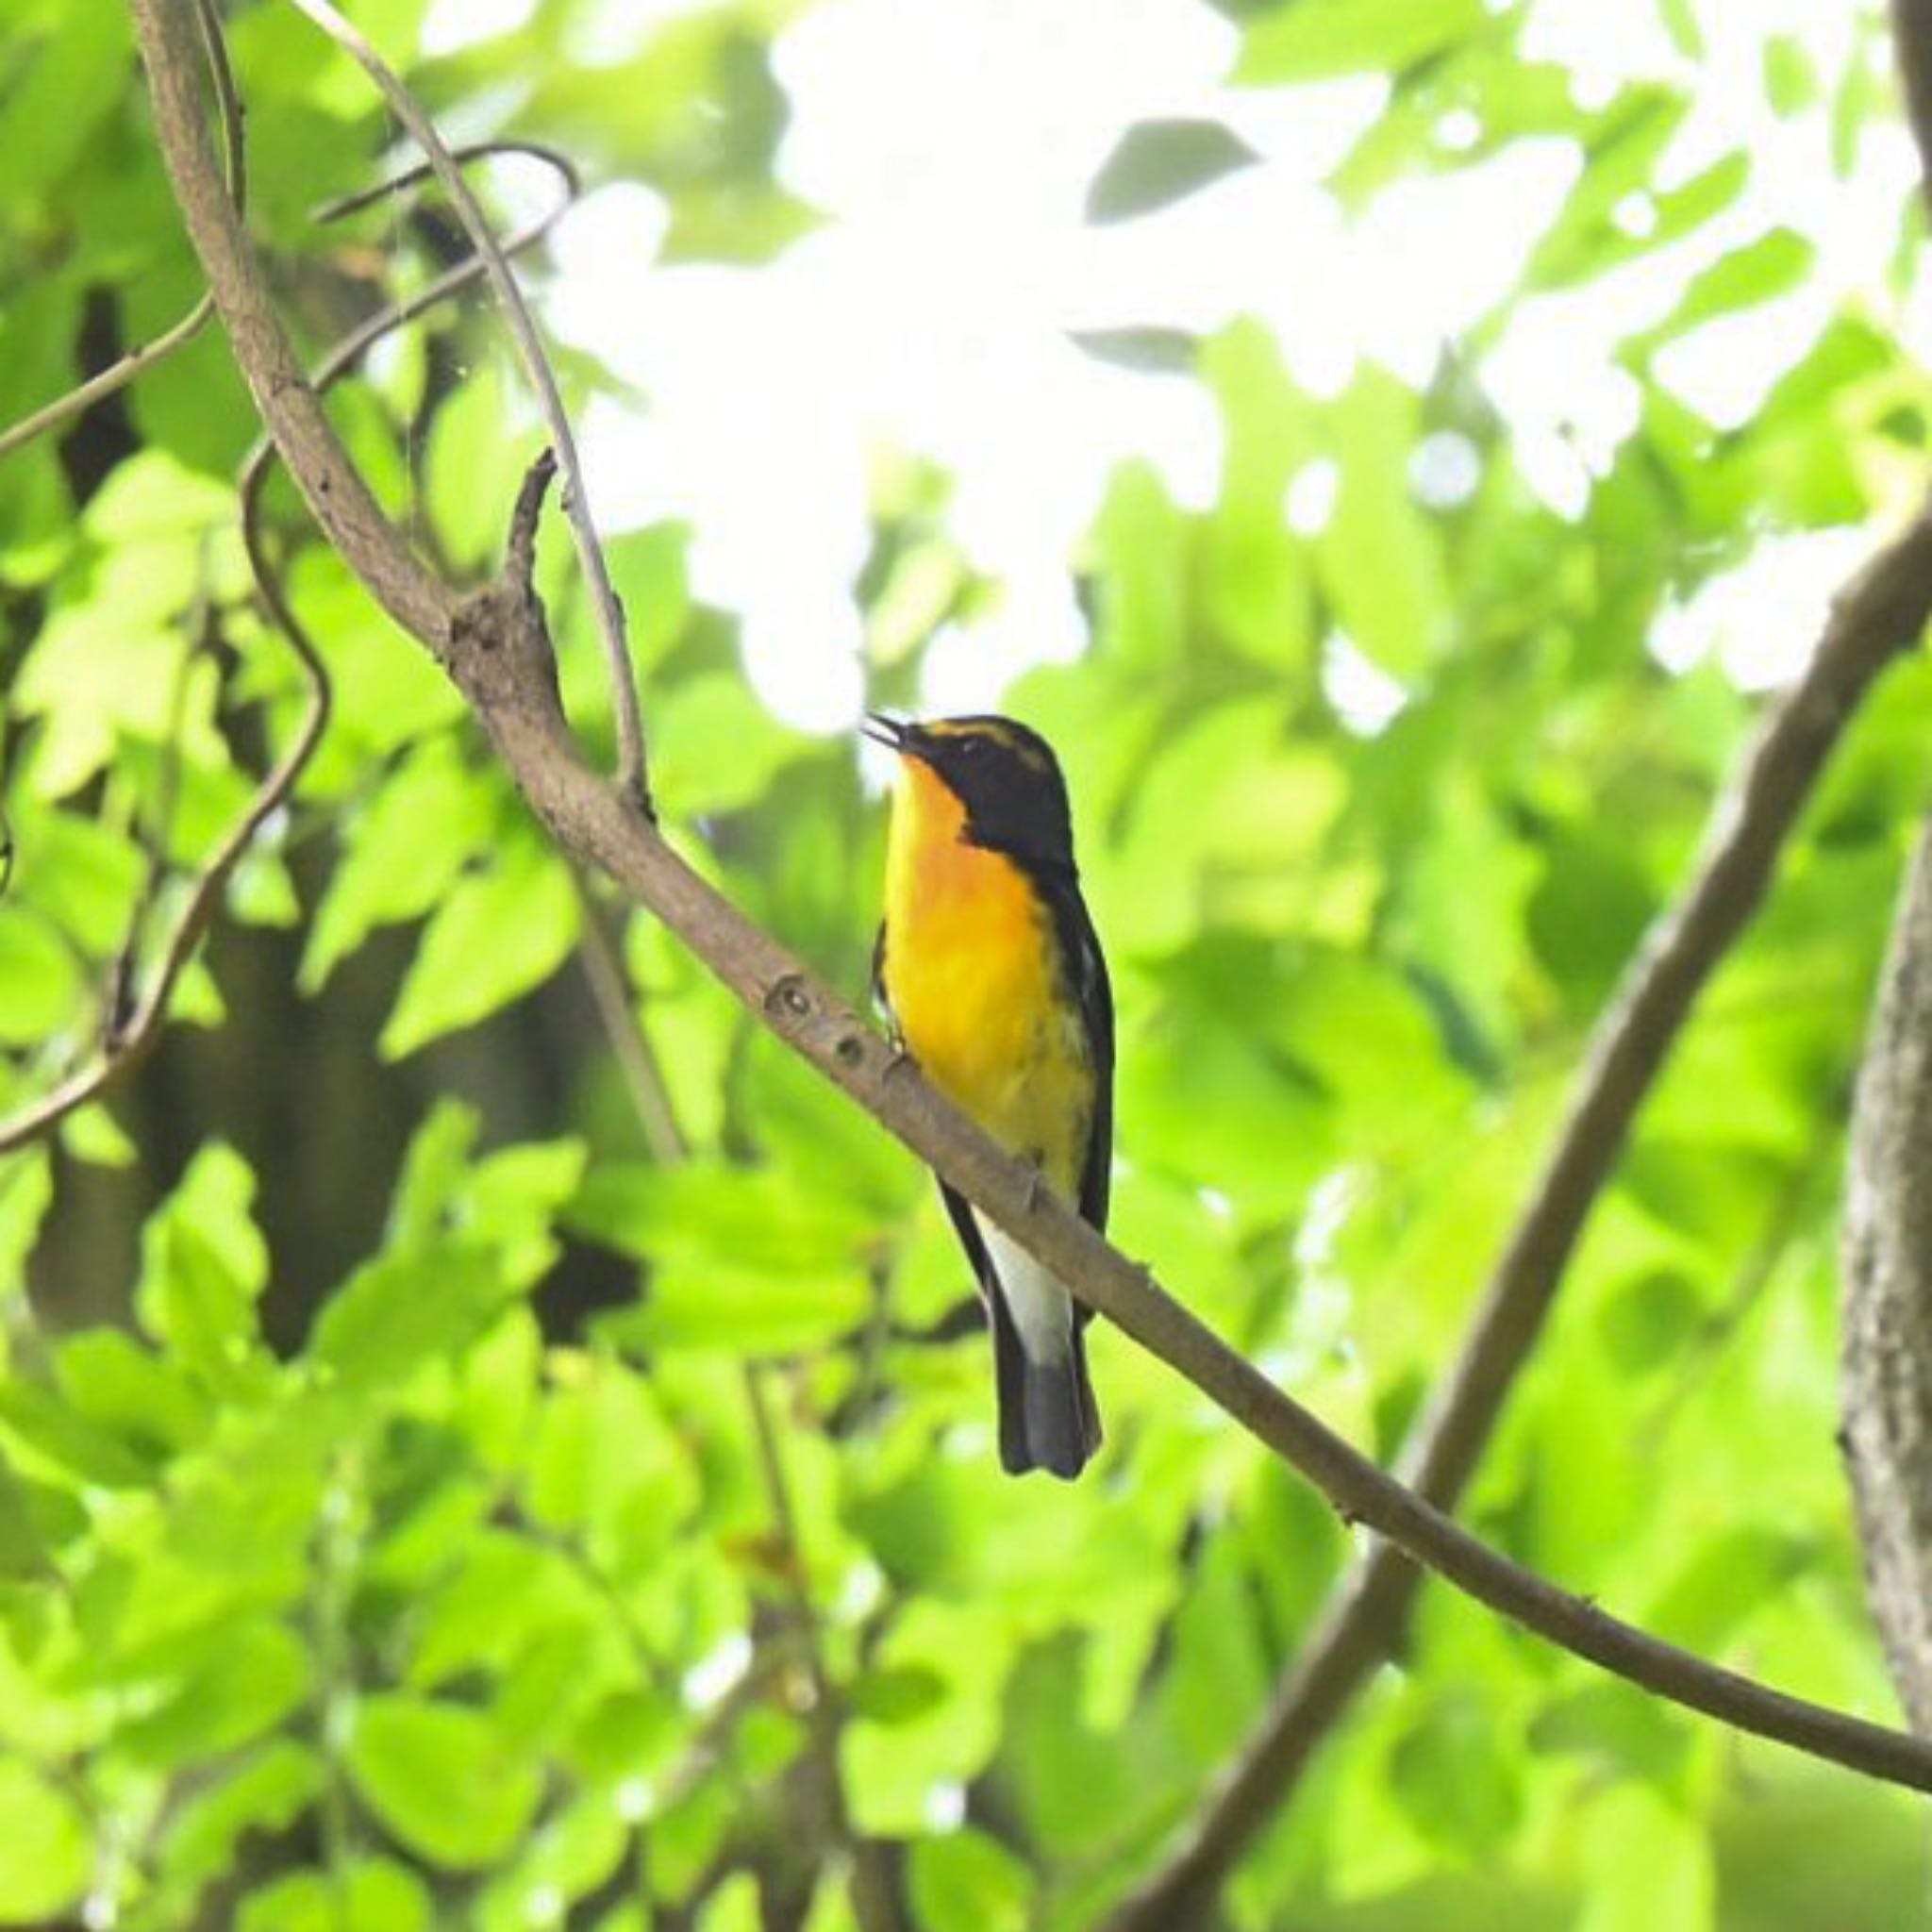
[334, 489]
[577, 501]
[495, 646]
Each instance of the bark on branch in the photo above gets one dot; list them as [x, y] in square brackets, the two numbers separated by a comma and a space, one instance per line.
[1887, 1234]
[496, 648]
[1888, 1300]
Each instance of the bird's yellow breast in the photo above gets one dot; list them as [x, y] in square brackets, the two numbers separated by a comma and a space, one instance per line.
[972, 972]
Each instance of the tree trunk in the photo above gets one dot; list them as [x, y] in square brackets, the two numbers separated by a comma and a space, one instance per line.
[1888, 1299]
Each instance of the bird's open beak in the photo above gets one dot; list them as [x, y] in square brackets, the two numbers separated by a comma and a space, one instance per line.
[886, 731]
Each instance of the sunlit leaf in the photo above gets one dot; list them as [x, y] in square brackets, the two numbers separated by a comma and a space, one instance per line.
[1317, 39]
[501, 931]
[439, 1777]
[45, 1852]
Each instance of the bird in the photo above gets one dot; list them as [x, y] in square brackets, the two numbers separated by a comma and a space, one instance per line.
[992, 976]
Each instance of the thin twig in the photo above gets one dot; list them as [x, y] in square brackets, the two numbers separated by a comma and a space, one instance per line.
[603, 961]
[117, 376]
[145, 356]
[347, 353]
[341, 205]
[495, 646]
[576, 503]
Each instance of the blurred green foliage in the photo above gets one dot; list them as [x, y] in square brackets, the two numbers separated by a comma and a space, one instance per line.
[385, 1537]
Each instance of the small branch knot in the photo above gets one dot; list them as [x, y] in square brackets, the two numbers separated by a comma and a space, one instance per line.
[788, 997]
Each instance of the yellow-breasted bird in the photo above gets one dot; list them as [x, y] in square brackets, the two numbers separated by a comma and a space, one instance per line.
[989, 967]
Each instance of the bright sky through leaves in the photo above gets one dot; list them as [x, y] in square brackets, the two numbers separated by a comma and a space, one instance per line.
[951, 144]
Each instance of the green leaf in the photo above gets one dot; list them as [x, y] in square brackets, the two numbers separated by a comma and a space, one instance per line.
[1648, 1321]
[1791, 80]
[1380, 561]
[79, 874]
[756, 1219]
[1595, 231]
[571, 1854]
[650, 574]
[266, 1792]
[1257, 578]
[259, 1678]
[1320, 40]
[894, 1696]
[714, 748]
[53, 1430]
[1139, 561]
[922, 588]
[1649, 1866]
[472, 466]
[403, 854]
[1761, 271]
[27, 1191]
[1452, 1777]
[46, 1856]
[733, 1907]
[404, 1309]
[738, 1259]
[968, 1882]
[1724, 1583]
[33, 1516]
[98, 676]
[501, 932]
[48, 117]
[713, 1306]
[41, 981]
[437, 1776]
[434, 1166]
[1148, 349]
[1680, 21]
[204, 1265]
[1156, 163]
[373, 1895]
[1625, 1728]
[113, 1381]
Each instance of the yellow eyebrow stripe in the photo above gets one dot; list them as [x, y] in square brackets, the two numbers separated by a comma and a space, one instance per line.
[993, 730]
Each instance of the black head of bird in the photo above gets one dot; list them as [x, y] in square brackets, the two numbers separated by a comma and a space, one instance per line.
[1003, 776]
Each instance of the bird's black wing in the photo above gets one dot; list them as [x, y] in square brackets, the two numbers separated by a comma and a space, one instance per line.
[879, 999]
[1085, 969]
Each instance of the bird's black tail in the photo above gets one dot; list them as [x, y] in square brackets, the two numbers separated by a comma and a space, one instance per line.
[1048, 1419]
